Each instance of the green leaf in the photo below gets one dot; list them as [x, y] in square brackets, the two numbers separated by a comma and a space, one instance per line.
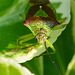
[11, 67]
[71, 67]
[35, 65]
[11, 27]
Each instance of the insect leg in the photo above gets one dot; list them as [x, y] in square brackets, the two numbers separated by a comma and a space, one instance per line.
[25, 38]
[61, 25]
[27, 46]
[45, 54]
[52, 59]
[51, 46]
[22, 39]
[62, 20]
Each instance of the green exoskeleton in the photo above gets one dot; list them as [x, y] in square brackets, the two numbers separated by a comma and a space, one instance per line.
[41, 20]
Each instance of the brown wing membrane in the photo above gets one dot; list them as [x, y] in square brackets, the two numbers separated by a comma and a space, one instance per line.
[32, 11]
[49, 11]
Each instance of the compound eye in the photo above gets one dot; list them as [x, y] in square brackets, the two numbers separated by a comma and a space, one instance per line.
[25, 23]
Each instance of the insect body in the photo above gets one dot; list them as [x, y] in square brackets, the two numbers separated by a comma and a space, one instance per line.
[41, 27]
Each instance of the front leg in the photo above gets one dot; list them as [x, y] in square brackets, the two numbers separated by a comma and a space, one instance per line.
[61, 25]
[21, 40]
[51, 58]
[51, 46]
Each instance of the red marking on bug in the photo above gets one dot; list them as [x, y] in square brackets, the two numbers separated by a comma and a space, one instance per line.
[30, 49]
[26, 22]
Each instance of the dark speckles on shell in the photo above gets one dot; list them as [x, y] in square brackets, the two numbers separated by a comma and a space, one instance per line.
[46, 23]
[44, 20]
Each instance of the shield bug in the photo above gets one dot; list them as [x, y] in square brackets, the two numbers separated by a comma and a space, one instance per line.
[41, 20]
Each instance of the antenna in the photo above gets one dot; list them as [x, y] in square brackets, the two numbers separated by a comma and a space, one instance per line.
[52, 59]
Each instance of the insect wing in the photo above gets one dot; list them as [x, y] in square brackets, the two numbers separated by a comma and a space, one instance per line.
[30, 10]
[49, 10]
[33, 7]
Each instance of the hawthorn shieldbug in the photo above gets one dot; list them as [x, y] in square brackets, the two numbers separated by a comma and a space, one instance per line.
[41, 20]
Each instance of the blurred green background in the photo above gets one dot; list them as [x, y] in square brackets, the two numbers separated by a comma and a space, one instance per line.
[11, 27]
